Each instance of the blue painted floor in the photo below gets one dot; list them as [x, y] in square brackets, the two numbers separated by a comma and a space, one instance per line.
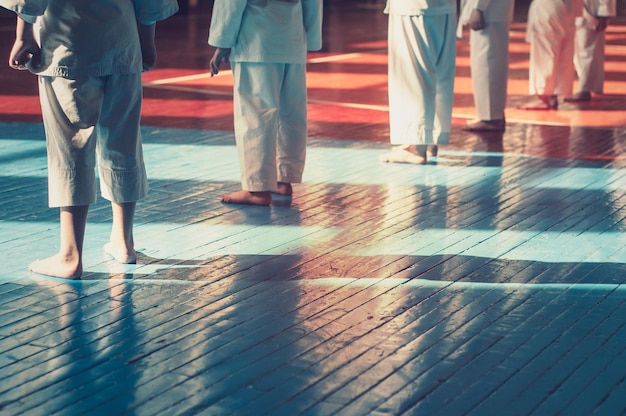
[491, 281]
[482, 283]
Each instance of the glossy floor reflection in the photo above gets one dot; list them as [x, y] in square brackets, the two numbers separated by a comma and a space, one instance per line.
[489, 281]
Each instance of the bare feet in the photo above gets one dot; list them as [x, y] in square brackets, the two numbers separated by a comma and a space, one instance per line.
[579, 97]
[545, 102]
[406, 154]
[248, 198]
[67, 267]
[485, 125]
[121, 254]
[284, 188]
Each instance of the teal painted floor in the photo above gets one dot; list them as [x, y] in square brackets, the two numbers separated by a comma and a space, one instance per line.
[491, 281]
[482, 283]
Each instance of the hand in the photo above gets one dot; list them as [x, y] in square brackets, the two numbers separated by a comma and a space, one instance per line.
[476, 20]
[148, 47]
[603, 22]
[25, 48]
[23, 53]
[220, 56]
[149, 56]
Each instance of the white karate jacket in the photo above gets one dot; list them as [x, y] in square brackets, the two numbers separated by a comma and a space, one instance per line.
[90, 38]
[277, 31]
[600, 8]
[420, 7]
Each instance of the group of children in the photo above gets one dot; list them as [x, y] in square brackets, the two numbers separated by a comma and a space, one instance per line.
[89, 56]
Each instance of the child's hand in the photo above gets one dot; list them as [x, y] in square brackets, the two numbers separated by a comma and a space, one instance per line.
[149, 56]
[23, 53]
[477, 20]
[220, 55]
[148, 47]
[25, 48]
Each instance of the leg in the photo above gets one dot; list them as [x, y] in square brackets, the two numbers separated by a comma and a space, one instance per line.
[489, 49]
[413, 90]
[414, 154]
[292, 129]
[68, 262]
[121, 245]
[123, 178]
[445, 73]
[70, 108]
[256, 103]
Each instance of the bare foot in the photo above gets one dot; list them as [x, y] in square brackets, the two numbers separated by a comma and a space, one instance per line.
[432, 150]
[404, 154]
[545, 102]
[284, 188]
[248, 198]
[67, 267]
[121, 254]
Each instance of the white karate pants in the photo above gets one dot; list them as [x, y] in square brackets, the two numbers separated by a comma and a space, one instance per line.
[270, 111]
[489, 60]
[551, 32]
[589, 57]
[422, 52]
[89, 118]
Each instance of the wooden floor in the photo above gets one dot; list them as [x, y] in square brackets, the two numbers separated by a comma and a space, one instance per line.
[491, 281]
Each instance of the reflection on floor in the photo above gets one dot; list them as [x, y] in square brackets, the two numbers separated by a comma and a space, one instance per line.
[489, 281]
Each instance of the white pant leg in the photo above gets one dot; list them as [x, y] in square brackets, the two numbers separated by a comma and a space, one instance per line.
[88, 117]
[70, 111]
[292, 125]
[489, 60]
[120, 150]
[421, 78]
[589, 58]
[255, 99]
[542, 66]
[565, 71]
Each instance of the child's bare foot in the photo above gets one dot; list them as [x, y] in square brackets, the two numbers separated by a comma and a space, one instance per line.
[284, 188]
[432, 150]
[543, 102]
[67, 267]
[248, 198]
[121, 253]
[404, 154]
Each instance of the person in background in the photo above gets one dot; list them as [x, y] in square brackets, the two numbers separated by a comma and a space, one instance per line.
[89, 57]
[266, 43]
[589, 47]
[550, 31]
[422, 54]
[489, 22]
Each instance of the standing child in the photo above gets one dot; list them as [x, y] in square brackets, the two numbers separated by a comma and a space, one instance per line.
[266, 43]
[589, 47]
[89, 57]
[489, 22]
[422, 53]
[550, 31]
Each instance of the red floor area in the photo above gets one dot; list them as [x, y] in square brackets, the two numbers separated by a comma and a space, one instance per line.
[346, 81]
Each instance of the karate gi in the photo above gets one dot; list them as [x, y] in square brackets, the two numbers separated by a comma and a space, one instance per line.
[269, 40]
[90, 92]
[550, 31]
[422, 51]
[589, 49]
[489, 55]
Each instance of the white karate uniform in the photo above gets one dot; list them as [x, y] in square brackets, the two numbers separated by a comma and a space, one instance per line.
[589, 50]
[90, 93]
[422, 50]
[550, 31]
[269, 40]
[489, 55]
